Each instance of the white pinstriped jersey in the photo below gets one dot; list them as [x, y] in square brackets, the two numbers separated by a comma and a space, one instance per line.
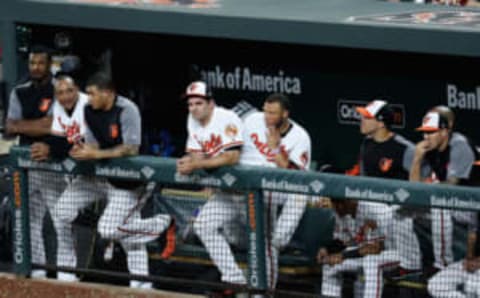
[223, 131]
[72, 126]
[295, 143]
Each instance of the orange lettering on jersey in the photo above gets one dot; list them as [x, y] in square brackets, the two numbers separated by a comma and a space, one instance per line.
[44, 105]
[114, 132]
[264, 149]
[385, 164]
[213, 143]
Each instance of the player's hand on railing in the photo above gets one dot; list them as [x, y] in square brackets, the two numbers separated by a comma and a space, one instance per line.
[82, 151]
[39, 151]
[186, 165]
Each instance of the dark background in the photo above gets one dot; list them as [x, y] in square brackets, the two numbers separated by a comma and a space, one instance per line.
[154, 69]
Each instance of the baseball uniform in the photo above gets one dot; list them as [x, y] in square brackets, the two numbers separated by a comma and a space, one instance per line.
[121, 219]
[455, 161]
[296, 144]
[223, 132]
[30, 101]
[392, 159]
[445, 283]
[349, 230]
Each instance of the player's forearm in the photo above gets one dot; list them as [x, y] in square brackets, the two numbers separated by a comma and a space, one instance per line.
[32, 128]
[471, 241]
[227, 158]
[415, 170]
[118, 151]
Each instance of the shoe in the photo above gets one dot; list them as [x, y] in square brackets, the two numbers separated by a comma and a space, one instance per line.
[136, 284]
[169, 238]
[39, 273]
[108, 254]
[65, 276]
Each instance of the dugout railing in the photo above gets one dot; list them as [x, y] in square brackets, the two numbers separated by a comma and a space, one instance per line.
[249, 180]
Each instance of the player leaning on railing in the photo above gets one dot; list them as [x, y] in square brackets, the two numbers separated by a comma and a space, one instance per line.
[113, 130]
[444, 156]
[68, 127]
[29, 116]
[215, 138]
[450, 158]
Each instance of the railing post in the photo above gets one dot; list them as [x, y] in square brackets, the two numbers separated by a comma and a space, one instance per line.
[21, 224]
[257, 269]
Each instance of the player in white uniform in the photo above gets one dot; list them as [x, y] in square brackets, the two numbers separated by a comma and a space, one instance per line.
[445, 284]
[68, 127]
[363, 242]
[215, 137]
[121, 220]
[272, 139]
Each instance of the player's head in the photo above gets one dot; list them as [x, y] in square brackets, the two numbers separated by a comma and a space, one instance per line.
[101, 91]
[276, 109]
[199, 100]
[447, 113]
[376, 115]
[344, 207]
[39, 62]
[66, 91]
[436, 130]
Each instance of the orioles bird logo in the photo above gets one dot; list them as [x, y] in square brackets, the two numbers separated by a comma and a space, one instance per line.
[426, 119]
[385, 164]
[231, 131]
[114, 132]
[44, 104]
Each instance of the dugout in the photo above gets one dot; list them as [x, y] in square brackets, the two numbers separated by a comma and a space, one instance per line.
[328, 56]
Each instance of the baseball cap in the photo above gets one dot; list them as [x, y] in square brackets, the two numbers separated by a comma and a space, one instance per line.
[197, 89]
[433, 121]
[377, 109]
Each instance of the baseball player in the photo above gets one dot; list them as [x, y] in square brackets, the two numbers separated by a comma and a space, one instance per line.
[29, 116]
[362, 243]
[215, 138]
[447, 282]
[272, 139]
[113, 129]
[448, 157]
[386, 154]
[68, 127]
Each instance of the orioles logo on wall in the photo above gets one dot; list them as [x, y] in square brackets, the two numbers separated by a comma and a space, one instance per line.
[44, 105]
[231, 131]
[385, 164]
[114, 131]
